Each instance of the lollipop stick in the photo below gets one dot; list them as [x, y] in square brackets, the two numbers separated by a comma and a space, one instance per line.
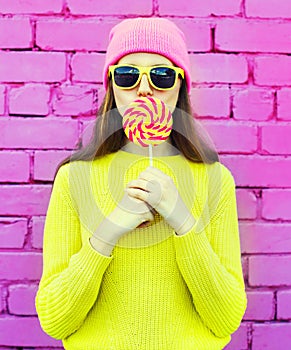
[151, 154]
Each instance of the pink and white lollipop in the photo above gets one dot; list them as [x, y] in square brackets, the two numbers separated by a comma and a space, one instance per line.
[147, 122]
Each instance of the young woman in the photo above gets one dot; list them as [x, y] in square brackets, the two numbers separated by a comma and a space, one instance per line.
[139, 257]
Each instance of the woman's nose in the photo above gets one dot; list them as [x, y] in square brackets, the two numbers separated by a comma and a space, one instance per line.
[144, 87]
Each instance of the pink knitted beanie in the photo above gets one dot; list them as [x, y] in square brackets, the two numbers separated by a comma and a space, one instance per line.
[156, 35]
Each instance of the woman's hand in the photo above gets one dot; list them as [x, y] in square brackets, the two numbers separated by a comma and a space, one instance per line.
[159, 191]
[130, 213]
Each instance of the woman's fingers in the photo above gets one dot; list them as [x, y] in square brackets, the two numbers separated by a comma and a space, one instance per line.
[159, 192]
[139, 184]
[138, 193]
[151, 193]
[154, 188]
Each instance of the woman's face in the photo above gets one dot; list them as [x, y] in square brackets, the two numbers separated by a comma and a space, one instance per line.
[124, 97]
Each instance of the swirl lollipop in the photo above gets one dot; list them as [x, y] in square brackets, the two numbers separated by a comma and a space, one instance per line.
[147, 122]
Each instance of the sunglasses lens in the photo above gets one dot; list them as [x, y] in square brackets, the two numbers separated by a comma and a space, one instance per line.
[126, 76]
[163, 77]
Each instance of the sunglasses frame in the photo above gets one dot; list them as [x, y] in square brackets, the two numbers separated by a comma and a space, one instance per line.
[145, 70]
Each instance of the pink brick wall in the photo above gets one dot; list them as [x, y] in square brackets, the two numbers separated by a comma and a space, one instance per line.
[51, 60]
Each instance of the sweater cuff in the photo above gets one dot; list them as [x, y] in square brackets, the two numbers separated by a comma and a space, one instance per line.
[91, 260]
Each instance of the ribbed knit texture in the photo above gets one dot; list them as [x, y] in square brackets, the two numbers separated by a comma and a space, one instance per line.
[153, 35]
[157, 290]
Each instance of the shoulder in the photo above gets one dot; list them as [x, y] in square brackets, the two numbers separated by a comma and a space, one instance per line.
[222, 173]
[226, 174]
[62, 174]
[69, 173]
[228, 181]
[77, 174]
[220, 182]
[216, 172]
[78, 168]
[82, 165]
[227, 187]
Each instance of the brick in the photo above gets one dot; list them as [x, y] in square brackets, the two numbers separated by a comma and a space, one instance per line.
[265, 238]
[37, 231]
[269, 270]
[260, 306]
[225, 7]
[197, 34]
[24, 199]
[2, 99]
[29, 66]
[272, 70]
[34, 6]
[265, 336]
[14, 166]
[73, 100]
[239, 339]
[276, 139]
[89, 7]
[284, 104]
[88, 67]
[30, 99]
[276, 204]
[46, 162]
[15, 33]
[24, 331]
[218, 68]
[211, 102]
[21, 300]
[199, 8]
[12, 232]
[256, 171]
[38, 133]
[257, 36]
[284, 304]
[232, 136]
[20, 265]
[253, 104]
[271, 9]
[246, 203]
[73, 34]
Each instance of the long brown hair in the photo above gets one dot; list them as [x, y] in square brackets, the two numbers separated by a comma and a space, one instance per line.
[108, 135]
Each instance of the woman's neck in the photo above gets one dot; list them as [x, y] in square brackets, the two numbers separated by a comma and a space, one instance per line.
[162, 150]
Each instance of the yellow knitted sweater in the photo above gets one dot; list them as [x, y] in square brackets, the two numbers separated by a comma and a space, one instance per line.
[157, 290]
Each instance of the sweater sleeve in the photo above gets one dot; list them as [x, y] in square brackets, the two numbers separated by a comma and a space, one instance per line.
[72, 271]
[211, 267]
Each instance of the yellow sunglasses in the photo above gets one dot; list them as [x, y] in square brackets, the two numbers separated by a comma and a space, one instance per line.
[161, 77]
